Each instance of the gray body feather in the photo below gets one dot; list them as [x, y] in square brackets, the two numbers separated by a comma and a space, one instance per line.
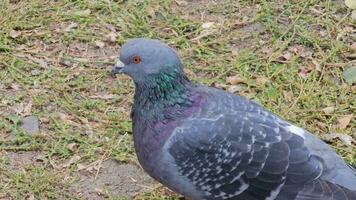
[233, 149]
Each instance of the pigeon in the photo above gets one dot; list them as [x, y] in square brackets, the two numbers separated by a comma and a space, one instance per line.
[208, 144]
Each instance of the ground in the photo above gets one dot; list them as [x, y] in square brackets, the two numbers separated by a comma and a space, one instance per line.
[65, 130]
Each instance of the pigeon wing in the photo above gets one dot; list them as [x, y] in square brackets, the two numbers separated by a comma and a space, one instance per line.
[243, 155]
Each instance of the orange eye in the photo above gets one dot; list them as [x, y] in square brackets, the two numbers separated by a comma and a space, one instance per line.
[136, 59]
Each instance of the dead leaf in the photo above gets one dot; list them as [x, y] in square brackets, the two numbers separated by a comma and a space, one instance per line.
[99, 44]
[233, 80]
[303, 73]
[81, 166]
[344, 121]
[320, 125]
[329, 110]
[44, 120]
[204, 33]
[348, 29]
[68, 119]
[71, 161]
[28, 108]
[235, 88]
[209, 28]
[71, 26]
[262, 80]
[287, 56]
[15, 86]
[288, 96]
[345, 139]
[318, 12]
[72, 146]
[14, 34]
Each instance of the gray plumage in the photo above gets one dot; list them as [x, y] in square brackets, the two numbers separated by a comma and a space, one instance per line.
[205, 143]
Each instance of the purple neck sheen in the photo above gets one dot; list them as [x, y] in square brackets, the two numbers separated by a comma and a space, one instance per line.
[151, 134]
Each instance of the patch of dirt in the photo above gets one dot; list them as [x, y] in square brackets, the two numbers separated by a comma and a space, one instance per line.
[114, 179]
[19, 160]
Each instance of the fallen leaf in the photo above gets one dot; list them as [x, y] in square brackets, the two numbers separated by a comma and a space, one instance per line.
[81, 166]
[262, 80]
[204, 33]
[68, 119]
[321, 125]
[71, 26]
[344, 121]
[348, 29]
[234, 88]
[44, 120]
[345, 139]
[303, 73]
[28, 109]
[209, 28]
[72, 146]
[288, 96]
[351, 4]
[329, 110]
[14, 34]
[233, 80]
[15, 86]
[287, 56]
[71, 161]
[349, 75]
[99, 44]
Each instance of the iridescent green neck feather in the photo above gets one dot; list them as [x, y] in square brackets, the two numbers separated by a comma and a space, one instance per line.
[169, 89]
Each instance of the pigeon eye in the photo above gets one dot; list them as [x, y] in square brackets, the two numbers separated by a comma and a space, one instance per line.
[136, 59]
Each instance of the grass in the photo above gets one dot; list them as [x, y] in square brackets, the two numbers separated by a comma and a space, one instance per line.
[287, 55]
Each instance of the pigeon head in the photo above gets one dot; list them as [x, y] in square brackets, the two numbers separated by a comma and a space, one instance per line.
[143, 59]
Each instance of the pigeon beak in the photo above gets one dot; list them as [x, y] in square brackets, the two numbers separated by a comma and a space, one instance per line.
[118, 68]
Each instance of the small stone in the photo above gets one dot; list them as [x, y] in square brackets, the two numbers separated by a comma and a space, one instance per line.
[30, 125]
